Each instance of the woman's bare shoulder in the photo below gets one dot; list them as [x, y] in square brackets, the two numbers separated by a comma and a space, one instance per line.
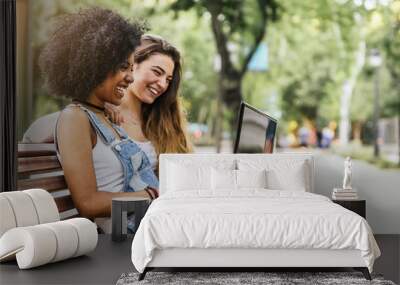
[74, 126]
[74, 122]
[73, 115]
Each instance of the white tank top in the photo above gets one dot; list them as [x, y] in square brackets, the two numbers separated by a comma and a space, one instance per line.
[108, 168]
[109, 172]
[150, 151]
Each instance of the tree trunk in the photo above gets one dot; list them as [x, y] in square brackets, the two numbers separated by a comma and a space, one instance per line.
[230, 80]
[357, 127]
[230, 97]
[219, 124]
[344, 127]
[231, 91]
[345, 99]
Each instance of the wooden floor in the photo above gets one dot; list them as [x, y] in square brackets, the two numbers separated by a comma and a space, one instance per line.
[389, 262]
[111, 259]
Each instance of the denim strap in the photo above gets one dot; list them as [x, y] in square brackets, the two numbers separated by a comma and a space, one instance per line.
[121, 132]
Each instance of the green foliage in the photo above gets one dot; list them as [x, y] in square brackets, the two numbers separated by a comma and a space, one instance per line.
[238, 28]
[302, 69]
[392, 46]
[365, 153]
[392, 50]
[312, 50]
[238, 16]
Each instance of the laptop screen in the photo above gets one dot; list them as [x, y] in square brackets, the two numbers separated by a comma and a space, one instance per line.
[256, 131]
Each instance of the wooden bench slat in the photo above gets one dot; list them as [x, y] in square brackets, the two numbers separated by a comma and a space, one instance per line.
[64, 203]
[50, 184]
[35, 149]
[38, 164]
[38, 167]
[71, 217]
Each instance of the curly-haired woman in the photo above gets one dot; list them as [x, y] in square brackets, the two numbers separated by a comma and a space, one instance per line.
[90, 59]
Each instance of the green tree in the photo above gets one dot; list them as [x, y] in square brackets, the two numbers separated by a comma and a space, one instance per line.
[392, 51]
[238, 28]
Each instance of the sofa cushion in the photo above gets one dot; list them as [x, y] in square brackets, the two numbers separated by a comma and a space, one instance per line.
[26, 208]
[251, 178]
[231, 180]
[282, 162]
[223, 179]
[44, 243]
[282, 174]
[187, 173]
[293, 180]
[184, 177]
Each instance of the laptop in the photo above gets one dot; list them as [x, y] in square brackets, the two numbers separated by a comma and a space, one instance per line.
[256, 131]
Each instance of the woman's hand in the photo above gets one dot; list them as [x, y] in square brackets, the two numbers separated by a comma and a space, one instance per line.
[114, 114]
[153, 193]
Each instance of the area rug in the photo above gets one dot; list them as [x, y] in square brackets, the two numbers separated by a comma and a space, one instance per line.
[268, 278]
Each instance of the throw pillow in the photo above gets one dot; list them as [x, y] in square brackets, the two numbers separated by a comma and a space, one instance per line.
[251, 178]
[182, 177]
[223, 179]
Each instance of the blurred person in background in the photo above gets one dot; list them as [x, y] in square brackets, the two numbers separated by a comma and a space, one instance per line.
[304, 136]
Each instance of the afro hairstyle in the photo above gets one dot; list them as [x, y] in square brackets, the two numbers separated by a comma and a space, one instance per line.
[85, 47]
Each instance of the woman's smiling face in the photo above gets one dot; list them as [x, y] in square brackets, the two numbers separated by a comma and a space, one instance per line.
[112, 89]
[152, 77]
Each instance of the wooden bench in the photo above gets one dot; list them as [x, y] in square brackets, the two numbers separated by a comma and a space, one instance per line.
[38, 167]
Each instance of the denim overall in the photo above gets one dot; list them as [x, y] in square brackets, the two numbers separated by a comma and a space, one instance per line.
[138, 173]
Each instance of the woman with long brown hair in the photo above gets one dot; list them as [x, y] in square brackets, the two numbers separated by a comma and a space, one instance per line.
[151, 110]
